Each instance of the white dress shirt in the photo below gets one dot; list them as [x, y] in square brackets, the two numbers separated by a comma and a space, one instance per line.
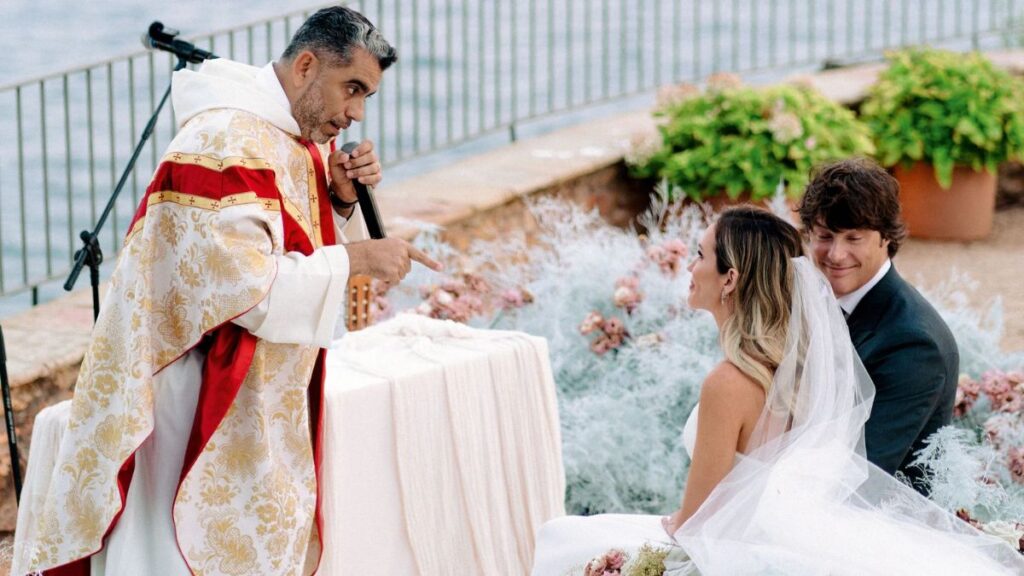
[849, 302]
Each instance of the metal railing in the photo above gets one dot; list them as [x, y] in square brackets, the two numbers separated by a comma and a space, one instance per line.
[467, 69]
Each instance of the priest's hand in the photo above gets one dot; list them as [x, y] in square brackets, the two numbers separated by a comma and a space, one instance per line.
[387, 259]
[362, 165]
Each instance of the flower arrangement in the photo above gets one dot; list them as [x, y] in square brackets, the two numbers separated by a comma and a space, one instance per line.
[732, 139]
[648, 560]
[945, 108]
[1010, 532]
[608, 564]
[976, 467]
[611, 332]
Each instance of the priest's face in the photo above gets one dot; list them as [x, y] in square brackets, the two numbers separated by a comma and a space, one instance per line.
[848, 258]
[335, 96]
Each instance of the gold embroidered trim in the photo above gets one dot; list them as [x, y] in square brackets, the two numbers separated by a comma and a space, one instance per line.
[296, 213]
[218, 164]
[314, 199]
[194, 201]
[203, 203]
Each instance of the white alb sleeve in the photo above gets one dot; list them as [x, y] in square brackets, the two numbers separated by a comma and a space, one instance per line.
[305, 300]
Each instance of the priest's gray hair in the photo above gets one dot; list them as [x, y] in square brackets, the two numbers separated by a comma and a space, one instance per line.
[333, 32]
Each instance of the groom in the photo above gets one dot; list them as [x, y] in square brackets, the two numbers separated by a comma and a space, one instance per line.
[851, 213]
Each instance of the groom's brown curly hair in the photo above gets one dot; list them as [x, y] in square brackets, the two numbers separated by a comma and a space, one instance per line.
[854, 194]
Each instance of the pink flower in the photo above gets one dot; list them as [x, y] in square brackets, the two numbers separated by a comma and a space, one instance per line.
[723, 81]
[668, 255]
[614, 326]
[626, 294]
[993, 427]
[1004, 390]
[655, 253]
[964, 515]
[676, 247]
[515, 298]
[967, 391]
[592, 322]
[476, 283]
[1015, 462]
[672, 95]
[459, 299]
[616, 558]
[600, 345]
[608, 564]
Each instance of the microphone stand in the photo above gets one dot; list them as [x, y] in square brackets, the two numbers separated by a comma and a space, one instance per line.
[90, 254]
[12, 438]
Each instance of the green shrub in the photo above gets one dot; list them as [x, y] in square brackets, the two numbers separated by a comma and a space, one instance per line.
[733, 139]
[945, 108]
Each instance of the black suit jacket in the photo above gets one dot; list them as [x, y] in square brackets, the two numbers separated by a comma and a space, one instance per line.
[912, 358]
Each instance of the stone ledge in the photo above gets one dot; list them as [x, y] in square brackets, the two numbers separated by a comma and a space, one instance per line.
[849, 85]
[490, 180]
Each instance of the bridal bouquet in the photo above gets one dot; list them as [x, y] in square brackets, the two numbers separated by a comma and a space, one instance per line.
[648, 560]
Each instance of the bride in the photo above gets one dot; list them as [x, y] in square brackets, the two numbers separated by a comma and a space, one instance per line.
[779, 483]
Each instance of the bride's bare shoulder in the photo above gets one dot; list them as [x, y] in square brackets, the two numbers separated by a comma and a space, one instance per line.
[728, 383]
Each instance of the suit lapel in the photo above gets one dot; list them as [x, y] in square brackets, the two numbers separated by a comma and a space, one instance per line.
[869, 312]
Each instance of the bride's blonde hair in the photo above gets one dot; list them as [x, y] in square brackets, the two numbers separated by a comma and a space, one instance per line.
[759, 246]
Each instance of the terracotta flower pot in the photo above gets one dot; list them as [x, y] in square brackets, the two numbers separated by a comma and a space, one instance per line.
[963, 212]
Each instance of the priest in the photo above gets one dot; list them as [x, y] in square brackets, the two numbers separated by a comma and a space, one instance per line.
[193, 441]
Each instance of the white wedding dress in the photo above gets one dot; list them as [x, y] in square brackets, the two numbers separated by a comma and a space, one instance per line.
[570, 541]
[803, 499]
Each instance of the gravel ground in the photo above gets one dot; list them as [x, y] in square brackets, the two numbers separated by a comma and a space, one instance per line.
[995, 264]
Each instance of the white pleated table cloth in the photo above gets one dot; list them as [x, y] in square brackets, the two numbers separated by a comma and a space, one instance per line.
[442, 450]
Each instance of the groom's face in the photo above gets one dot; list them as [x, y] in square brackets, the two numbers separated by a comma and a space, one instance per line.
[848, 258]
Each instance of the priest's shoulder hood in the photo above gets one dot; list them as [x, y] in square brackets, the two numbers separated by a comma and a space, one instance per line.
[225, 84]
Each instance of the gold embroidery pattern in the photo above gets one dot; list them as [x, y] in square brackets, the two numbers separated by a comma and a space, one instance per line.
[218, 164]
[314, 198]
[259, 461]
[183, 272]
[201, 202]
[228, 201]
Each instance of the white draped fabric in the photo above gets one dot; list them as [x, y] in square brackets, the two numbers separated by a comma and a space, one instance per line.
[467, 467]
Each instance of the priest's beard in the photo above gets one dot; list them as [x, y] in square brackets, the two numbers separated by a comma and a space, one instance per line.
[308, 112]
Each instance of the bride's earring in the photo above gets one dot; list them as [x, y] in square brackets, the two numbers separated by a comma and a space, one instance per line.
[723, 297]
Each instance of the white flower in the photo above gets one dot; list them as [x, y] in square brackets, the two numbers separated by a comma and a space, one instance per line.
[444, 298]
[424, 309]
[642, 147]
[1011, 532]
[723, 81]
[672, 95]
[785, 127]
[650, 340]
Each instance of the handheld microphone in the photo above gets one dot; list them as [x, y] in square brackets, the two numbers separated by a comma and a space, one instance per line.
[160, 38]
[374, 223]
